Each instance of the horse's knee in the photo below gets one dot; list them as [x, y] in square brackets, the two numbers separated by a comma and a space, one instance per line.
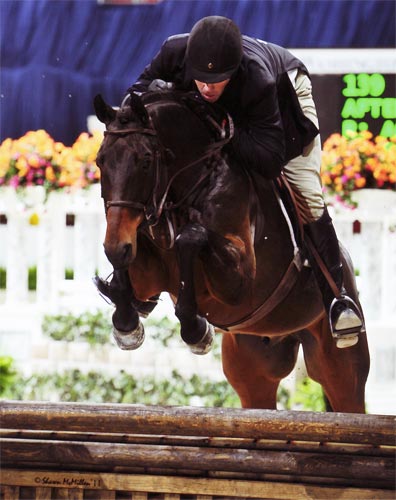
[191, 239]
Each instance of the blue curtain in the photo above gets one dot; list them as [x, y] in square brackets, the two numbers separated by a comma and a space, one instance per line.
[57, 54]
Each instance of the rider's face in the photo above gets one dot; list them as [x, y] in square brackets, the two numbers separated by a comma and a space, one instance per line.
[211, 91]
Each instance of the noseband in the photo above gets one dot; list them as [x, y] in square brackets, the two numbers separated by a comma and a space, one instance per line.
[153, 212]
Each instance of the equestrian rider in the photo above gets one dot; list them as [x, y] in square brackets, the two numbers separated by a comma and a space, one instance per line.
[267, 91]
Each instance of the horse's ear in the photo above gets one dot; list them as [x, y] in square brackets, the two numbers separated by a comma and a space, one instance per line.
[139, 109]
[104, 112]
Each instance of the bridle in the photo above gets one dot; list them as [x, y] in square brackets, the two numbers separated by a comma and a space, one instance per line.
[154, 210]
[129, 203]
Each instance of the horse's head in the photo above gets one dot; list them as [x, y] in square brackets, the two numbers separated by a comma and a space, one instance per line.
[129, 161]
[144, 153]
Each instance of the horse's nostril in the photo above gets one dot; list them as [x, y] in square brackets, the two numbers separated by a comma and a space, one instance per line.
[119, 255]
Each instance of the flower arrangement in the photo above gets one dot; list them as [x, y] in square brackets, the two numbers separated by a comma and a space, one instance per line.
[37, 160]
[356, 161]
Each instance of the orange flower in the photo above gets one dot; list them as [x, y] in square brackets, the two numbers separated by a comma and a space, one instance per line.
[360, 182]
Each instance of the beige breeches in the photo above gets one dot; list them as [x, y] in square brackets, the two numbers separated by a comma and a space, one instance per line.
[303, 172]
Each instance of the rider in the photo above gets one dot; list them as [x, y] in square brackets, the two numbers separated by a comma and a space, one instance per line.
[267, 91]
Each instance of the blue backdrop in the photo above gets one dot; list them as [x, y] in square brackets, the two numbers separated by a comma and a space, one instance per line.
[57, 54]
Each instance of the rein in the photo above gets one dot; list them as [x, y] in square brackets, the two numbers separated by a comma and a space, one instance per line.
[126, 131]
[153, 215]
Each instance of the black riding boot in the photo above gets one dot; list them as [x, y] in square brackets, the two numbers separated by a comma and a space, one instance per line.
[345, 317]
[119, 290]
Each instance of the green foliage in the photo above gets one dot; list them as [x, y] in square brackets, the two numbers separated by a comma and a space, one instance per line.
[283, 397]
[163, 330]
[308, 396]
[3, 278]
[97, 387]
[93, 328]
[8, 375]
[32, 278]
[69, 274]
[96, 327]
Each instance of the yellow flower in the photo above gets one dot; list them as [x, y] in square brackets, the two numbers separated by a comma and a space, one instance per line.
[34, 161]
[49, 174]
[34, 219]
[21, 164]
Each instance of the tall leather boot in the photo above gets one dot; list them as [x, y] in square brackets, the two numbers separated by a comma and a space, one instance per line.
[119, 289]
[345, 317]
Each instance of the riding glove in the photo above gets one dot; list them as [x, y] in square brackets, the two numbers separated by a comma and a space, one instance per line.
[160, 85]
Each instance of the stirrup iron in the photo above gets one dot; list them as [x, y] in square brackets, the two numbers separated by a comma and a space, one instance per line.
[346, 325]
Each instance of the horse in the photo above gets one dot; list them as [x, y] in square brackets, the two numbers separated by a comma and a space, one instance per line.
[183, 217]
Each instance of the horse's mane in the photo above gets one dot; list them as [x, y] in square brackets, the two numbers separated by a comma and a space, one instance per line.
[177, 96]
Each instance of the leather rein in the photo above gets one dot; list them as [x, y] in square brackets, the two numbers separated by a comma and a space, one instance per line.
[158, 203]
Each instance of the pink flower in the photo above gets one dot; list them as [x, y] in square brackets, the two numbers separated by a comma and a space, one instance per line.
[14, 181]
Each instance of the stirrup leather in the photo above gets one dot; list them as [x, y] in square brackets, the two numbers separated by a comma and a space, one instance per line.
[348, 322]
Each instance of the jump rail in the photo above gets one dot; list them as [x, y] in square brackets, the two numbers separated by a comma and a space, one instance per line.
[83, 451]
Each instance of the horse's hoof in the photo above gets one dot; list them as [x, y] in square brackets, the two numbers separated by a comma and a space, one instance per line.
[347, 342]
[129, 341]
[206, 343]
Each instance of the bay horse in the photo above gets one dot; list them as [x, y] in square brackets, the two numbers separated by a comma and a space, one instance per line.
[231, 261]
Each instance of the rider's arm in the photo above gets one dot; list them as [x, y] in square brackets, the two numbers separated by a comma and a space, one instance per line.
[259, 137]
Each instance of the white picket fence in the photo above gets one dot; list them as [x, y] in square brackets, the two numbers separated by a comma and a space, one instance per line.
[369, 233]
[51, 245]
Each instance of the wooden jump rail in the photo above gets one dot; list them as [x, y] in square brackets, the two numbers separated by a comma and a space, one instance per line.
[84, 451]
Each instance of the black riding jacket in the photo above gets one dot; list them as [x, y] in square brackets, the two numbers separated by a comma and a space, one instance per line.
[270, 127]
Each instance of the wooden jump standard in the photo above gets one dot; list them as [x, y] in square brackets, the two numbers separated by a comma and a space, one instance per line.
[85, 451]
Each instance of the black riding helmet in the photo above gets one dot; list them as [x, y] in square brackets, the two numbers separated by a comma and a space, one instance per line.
[214, 49]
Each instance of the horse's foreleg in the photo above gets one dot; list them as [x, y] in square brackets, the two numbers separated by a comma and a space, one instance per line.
[128, 330]
[254, 366]
[195, 330]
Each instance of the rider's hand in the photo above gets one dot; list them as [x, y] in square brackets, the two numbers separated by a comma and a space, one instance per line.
[221, 123]
[160, 85]
[216, 118]
[227, 127]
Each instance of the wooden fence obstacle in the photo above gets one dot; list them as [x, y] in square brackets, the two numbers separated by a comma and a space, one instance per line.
[85, 451]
